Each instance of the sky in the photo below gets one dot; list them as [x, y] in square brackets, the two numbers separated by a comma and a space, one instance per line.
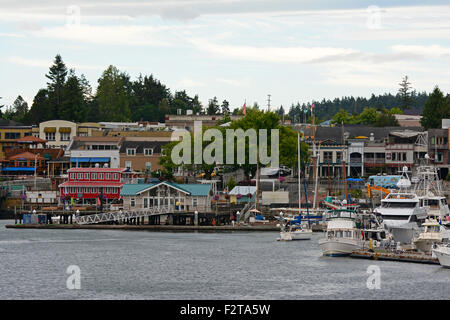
[238, 50]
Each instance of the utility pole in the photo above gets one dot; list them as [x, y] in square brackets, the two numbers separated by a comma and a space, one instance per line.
[268, 102]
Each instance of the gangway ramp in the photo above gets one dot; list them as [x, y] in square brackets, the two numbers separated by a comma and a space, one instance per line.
[121, 215]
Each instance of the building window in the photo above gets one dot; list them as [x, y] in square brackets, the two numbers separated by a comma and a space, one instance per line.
[100, 176]
[128, 164]
[65, 136]
[404, 156]
[148, 152]
[108, 176]
[80, 176]
[12, 135]
[115, 176]
[86, 176]
[131, 152]
[133, 202]
[72, 176]
[86, 190]
[439, 157]
[145, 203]
[93, 176]
[50, 136]
[194, 202]
[148, 166]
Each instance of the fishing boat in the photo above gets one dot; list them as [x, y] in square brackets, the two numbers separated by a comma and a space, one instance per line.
[443, 255]
[342, 236]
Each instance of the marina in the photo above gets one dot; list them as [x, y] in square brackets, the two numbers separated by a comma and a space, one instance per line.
[144, 265]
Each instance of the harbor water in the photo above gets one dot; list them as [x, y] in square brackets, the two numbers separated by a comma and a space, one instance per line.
[186, 265]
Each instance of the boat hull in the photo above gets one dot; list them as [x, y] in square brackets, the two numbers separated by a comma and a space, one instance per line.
[443, 256]
[338, 247]
[295, 235]
[425, 245]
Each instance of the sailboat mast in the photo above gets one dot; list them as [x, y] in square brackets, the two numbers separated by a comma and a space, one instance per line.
[343, 163]
[299, 175]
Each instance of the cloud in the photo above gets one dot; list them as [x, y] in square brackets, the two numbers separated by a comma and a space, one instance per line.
[430, 51]
[270, 54]
[188, 83]
[42, 63]
[234, 82]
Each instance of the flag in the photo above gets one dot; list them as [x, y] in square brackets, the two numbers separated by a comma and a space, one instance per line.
[312, 107]
[243, 108]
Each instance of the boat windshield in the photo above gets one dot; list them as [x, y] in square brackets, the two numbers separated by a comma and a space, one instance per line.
[340, 234]
[389, 204]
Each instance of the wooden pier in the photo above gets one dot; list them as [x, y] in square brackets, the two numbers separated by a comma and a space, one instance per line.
[146, 227]
[412, 257]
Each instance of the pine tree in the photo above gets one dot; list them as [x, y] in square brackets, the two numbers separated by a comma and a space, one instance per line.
[405, 94]
[436, 108]
[213, 106]
[73, 105]
[113, 99]
[57, 77]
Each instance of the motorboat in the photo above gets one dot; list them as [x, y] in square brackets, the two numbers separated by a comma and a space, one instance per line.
[434, 234]
[293, 229]
[342, 237]
[443, 255]
[401, 213]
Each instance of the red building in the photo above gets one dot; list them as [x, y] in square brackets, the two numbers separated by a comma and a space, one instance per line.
[86, 185]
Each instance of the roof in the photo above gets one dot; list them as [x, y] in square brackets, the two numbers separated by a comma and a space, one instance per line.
[27, 156]
[243, 190]
[90, 184]
[97, 169]
[31, 139]
[141, 145]
[191, 189]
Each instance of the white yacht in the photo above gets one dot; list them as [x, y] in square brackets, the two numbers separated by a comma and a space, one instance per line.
[401, 212]
[429, 190]
[443, 255]
[293, 229]
[342, 237]
[434, 234]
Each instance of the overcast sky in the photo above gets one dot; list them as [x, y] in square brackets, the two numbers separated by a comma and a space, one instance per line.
[295, 50]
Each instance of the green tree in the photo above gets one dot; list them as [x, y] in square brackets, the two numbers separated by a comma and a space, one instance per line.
[41, 109]
[436, 108]
[225, 107]
[405, 94]
[73, 104]
[386, 119]
[213, 106]
[112, 96]
[368, 116]
[57, 76]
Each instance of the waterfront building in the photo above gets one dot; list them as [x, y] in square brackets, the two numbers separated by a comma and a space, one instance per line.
[10, 131]
[439, 150]
[183, 197]
[86, 185]
[86, 152]
[58, 133]
[187, 121]
[141, 154]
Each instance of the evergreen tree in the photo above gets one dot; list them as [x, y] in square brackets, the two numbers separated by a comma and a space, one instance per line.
[436, 108]
[213, 106]
[57, 76]
[41, 109]
[112, 96]
[225, 107]
[73, 105]
[405, 94]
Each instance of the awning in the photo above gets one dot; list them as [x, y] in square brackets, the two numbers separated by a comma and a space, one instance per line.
[50, 129]
[18, 169]
[100, 159]
[65, 130]
[85, 159]
[80, 159]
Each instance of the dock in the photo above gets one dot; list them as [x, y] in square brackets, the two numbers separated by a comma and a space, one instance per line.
[412, 257]
[228, 228]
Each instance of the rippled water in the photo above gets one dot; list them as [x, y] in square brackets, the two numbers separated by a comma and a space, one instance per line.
[165, 265]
